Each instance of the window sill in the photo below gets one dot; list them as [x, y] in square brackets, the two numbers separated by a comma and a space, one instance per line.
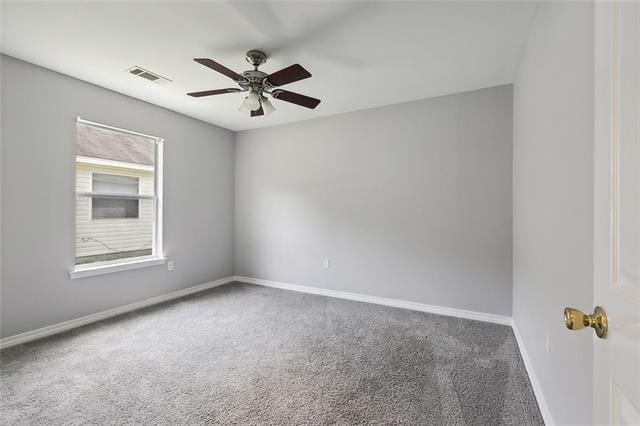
[81, 272]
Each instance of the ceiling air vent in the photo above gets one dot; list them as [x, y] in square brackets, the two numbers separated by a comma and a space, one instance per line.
[148, 75]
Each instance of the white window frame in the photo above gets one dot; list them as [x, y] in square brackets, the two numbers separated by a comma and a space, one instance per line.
[157, 257]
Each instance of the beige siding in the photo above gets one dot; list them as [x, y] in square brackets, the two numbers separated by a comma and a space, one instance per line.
[119, 234]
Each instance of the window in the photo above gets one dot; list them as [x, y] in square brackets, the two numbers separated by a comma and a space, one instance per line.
[113, 204]
[118, 197]
[108, 184]
[114, 208]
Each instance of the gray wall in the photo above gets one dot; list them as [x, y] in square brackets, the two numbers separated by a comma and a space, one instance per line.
[410, 201]
[39, 109]
[553, 202]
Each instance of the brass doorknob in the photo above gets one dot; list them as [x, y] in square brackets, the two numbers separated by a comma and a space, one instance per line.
[575, 319]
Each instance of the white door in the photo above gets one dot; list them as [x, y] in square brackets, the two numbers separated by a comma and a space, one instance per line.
[616, 369]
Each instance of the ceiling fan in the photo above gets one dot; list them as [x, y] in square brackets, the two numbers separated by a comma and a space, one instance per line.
[259, 84]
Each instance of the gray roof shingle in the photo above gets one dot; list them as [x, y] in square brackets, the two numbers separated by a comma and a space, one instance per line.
[108, 144]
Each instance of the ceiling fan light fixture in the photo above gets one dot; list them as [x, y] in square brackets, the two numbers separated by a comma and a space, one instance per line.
[253, 100]
[250, 103]
[246, 106]
[267, 107]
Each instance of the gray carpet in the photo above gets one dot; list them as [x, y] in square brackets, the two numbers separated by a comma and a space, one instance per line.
[242, 354]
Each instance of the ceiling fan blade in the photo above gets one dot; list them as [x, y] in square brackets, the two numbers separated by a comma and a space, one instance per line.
[257, 112]
[288, 75]
[295, 98]
[220, 68]
[213, 92]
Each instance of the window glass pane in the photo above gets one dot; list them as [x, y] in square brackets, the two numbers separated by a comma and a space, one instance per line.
[106, 184]
[114, 208]
[113, 162]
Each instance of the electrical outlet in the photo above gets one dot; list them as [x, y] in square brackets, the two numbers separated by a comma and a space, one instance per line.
[170, 265]
[547, 345]
[325, 263]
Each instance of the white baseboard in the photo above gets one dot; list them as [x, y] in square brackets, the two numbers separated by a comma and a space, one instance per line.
[440, 310]
[537, 390]
[77, 322]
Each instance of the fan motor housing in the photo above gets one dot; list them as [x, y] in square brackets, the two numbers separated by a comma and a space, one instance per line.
[254, 79]
[254, 76]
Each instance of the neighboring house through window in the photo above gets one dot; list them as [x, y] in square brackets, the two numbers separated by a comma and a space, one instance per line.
[118, 202]
[110, 207]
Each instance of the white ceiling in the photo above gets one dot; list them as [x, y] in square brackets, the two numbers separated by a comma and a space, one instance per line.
[361, 54]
